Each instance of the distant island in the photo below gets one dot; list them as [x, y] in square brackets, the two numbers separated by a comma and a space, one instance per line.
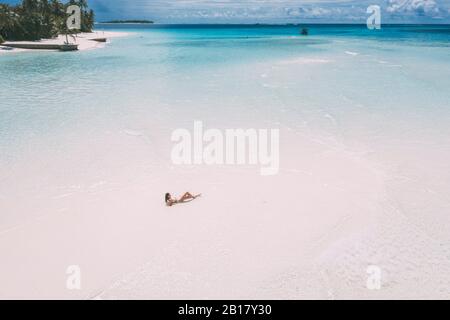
[129, 21]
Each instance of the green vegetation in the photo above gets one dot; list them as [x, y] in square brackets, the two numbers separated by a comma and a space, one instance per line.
[1, 40]
[129, 21]
[38, 19]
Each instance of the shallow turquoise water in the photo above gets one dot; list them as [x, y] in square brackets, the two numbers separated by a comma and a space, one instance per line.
[374, 83]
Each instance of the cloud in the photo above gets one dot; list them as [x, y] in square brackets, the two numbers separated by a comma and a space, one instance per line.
[273, 11]
[418, 7]
[270, 11]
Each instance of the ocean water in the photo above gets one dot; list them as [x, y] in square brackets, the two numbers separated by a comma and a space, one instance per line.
[381, 97]
[399, 70]
[380, 93]
[345, 80]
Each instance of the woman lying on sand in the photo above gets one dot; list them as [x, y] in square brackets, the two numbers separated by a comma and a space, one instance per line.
[187, 197]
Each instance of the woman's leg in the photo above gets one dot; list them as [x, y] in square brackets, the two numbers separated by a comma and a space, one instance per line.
[187, 196]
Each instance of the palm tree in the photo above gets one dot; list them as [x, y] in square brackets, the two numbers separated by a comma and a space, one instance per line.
[10, 26]
[31, 19]
[58, 14]
[45, 10]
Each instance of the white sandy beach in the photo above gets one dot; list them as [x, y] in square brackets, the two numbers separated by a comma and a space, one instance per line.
[244, 229]
[309, 232]
[84, 41]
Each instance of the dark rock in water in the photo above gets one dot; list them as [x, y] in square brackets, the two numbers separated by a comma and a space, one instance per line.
[304, 32]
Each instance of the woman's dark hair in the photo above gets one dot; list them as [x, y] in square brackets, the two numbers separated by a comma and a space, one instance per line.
[167, 197]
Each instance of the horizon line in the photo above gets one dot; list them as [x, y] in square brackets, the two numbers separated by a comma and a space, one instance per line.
[274, 24]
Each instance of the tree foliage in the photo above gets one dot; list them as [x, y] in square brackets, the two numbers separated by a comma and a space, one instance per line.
[38, 19]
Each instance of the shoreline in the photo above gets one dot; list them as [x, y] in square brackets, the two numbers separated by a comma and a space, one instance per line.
[86, 161]
[85, 41]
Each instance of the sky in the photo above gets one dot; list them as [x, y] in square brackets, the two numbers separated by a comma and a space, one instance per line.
[270, 11]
